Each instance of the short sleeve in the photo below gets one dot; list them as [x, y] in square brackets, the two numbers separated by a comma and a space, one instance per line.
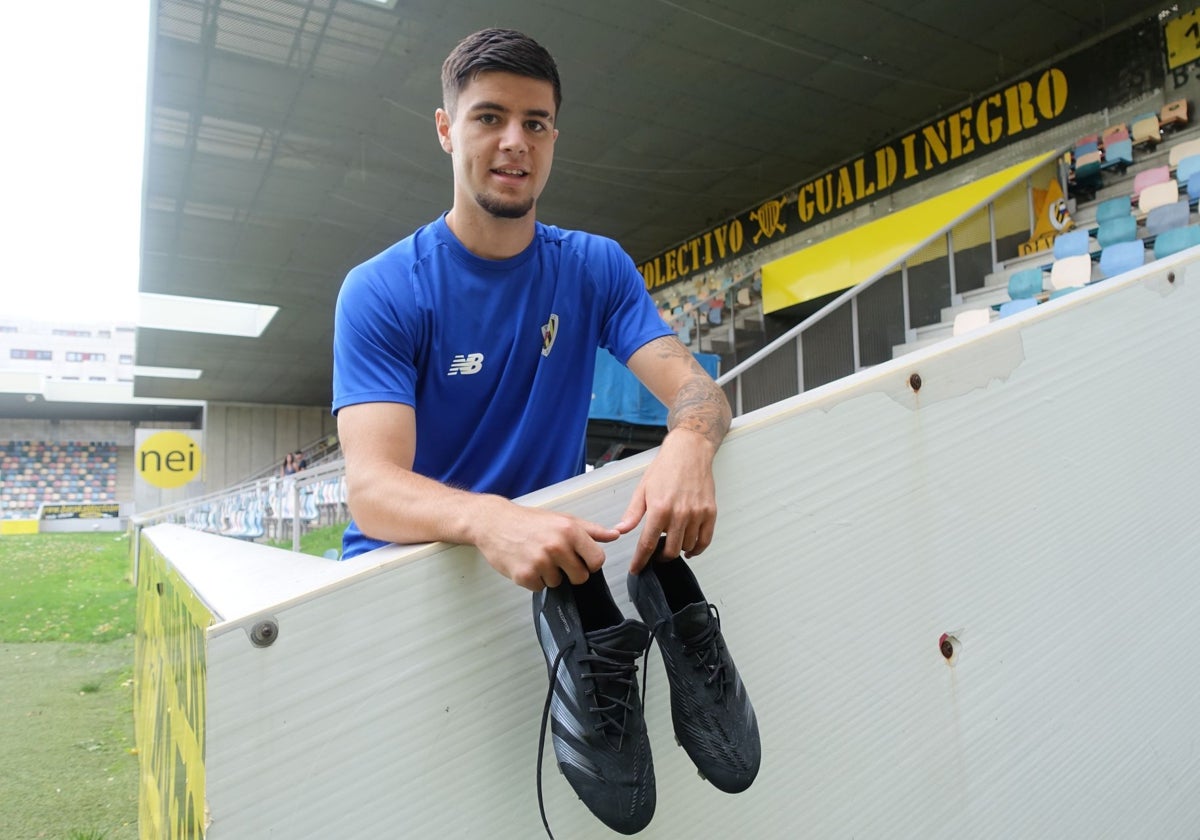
[376, 322]
[632, 319]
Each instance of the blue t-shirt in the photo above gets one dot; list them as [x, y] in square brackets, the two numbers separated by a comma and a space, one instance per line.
[496, 357]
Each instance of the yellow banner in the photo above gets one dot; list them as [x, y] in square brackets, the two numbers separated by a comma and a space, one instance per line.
[869, 250]
[169, 701]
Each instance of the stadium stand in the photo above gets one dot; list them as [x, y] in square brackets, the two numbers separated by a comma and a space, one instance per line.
[37, 472]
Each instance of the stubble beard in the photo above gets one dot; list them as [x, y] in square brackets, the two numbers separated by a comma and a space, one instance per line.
[504, 210]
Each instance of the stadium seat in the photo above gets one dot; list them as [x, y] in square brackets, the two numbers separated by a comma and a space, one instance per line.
[1113, 208]
[972, 319]
[1122, 257]
[1168, 217]
[1156, 195]
[1145, 130]
[1187, 167]
[1119, 229]
[1012, 307]
[1113, 134]
[1179, 152]
[1147, 178]
[1071, 271]
[1087, 167]
[1173, 241]
[1086, 146]
[1174, 115]
[1193, 188]
[1118, 155]
[1025, 284]
[1066, 290]
[1071, 244]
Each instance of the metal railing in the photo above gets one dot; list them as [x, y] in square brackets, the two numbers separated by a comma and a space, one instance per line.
[263, 508]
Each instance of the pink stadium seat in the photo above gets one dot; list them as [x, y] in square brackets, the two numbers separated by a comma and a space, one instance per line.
[1147, 178]
[1114, 133]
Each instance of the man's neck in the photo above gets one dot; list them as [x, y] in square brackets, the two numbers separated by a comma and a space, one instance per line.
[487, 236]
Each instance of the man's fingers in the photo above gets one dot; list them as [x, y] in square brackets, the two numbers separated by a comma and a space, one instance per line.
[647, 542]
[577, 570]
[703, 538]
[634, 513]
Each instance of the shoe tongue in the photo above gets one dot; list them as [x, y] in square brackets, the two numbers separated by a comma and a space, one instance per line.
[691, 620]
[630, 635]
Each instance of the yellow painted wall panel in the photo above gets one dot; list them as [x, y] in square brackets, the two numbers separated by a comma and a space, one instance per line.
[866, 251]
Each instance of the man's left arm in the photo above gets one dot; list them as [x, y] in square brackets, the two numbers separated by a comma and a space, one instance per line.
[676, 495]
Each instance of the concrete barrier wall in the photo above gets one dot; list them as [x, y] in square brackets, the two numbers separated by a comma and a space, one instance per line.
[1021, 498]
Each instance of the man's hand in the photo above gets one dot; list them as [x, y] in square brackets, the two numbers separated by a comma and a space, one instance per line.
[676, 493]
[536, 548]
[677, 497]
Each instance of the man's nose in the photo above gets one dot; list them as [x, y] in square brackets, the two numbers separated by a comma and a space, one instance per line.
[513, 137]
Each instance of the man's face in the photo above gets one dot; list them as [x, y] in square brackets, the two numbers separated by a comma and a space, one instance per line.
[501, 139]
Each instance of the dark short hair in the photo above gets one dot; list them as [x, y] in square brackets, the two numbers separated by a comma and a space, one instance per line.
[497, 49]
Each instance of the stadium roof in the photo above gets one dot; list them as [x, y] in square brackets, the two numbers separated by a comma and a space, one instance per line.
[288, 140]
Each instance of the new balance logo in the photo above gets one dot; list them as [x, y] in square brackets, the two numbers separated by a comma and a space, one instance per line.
[466, 365]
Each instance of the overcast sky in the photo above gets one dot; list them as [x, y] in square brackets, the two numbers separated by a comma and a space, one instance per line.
[74, 98]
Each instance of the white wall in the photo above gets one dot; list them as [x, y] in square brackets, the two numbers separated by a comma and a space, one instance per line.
[1034, 498]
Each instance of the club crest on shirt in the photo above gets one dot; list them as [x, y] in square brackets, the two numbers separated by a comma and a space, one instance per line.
[549, 333]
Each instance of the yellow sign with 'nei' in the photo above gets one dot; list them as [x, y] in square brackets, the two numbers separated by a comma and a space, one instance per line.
[169, 460]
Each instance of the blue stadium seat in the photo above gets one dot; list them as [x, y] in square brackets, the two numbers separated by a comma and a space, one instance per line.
[1025, 284]
[1071, 244]
[1113, 208]
[1168, 217]
[1121, 257]
[1012, 307]
[1188, 167]
[1174, 241]
[1119, 229]
[1118, 155]
[1193, 188]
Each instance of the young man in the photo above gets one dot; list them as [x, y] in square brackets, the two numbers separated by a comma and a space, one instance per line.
[463, 365]
[463, 355]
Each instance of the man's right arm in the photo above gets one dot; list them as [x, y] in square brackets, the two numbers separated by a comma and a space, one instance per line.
[532, 547]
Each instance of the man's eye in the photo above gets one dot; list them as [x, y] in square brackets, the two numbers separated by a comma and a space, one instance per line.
[489, 119]
[534, 125]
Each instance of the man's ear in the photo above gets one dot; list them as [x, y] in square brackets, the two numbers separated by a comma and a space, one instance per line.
[442, 120]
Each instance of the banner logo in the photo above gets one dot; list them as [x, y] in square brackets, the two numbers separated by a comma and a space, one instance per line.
[169, 459]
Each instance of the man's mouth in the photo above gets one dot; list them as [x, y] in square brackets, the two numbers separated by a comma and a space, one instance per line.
[516, 173]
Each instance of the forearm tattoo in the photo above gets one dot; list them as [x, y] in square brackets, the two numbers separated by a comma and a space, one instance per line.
[700, 404]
